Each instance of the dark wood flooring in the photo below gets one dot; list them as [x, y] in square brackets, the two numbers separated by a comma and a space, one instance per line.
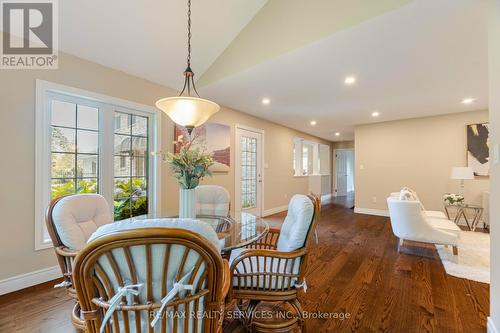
[354, 269]
[346, 201]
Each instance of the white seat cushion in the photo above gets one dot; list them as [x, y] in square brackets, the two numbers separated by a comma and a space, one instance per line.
[445, 225]
[201, 228]
[435, 214]
[212, 200]
[76, 217]
[296, 226]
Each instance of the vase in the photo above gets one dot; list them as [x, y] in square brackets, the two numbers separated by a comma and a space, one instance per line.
[187, 203]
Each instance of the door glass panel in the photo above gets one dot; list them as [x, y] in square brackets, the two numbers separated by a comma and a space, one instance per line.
[248, 172]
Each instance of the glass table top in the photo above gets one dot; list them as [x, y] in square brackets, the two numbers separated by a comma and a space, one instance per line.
[236, 231]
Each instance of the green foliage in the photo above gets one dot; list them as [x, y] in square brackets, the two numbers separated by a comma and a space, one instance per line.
[67, 187]
[190, 164]
[130, 198]
[453, 199]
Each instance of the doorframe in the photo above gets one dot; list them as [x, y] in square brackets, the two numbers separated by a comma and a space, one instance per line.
[335, 165]
[237, 168]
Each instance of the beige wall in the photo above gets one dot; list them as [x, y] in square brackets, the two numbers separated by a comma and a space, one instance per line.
[494, 77]
[17, 123]
[339, 145]
[418, 153]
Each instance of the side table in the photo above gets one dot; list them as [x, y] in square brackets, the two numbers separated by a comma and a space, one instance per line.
[462, 210]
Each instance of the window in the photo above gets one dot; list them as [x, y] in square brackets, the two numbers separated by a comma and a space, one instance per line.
[74, 153]
[307, 159]
[310, 158]
[130, 166]
[74, 148]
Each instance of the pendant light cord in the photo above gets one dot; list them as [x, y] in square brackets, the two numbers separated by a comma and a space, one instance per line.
[188, 73]
[189, 34]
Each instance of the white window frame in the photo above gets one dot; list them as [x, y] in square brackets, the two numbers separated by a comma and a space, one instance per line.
[45, 92]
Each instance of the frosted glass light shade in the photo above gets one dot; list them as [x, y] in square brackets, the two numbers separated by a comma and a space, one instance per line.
[188, 111]
[462, 173]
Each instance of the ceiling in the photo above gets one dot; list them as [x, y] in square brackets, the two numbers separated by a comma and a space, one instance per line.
[147, 38]
[411, 58]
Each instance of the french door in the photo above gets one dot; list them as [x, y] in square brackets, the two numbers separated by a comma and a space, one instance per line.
[248, 173]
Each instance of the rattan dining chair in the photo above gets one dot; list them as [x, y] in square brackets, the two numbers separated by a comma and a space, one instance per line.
[70, 221]
[163, 275]
[212, 200]
[273, 268]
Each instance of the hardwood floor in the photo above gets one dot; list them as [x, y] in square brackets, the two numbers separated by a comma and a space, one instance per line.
[346, 201]
[354, 269]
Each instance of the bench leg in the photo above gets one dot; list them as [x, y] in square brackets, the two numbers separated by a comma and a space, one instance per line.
[455, 251]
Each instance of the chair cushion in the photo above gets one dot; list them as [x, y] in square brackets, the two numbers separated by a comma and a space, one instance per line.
[201, 228]
[77, 216]
[445, 225]
[435, 214]
[407, 194]
[296, 226]
[212, 200]
[258, 264]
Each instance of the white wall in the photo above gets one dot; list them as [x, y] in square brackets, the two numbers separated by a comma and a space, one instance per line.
[494, 78]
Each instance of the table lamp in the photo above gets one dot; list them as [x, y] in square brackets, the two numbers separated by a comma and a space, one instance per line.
[462, 173]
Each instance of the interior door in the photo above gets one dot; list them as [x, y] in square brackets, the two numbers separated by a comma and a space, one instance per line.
[249, 171]
[342, 172]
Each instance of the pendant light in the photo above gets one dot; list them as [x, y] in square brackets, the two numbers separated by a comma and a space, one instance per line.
[186, 110]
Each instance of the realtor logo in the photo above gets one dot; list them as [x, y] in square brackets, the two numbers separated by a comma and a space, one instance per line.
[29, 34]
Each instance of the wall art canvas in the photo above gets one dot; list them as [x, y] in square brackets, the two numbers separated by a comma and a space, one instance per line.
[478, 151]
[216, 139]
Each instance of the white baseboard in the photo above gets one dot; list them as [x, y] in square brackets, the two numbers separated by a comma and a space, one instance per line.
[491, 328]
[325, 197]
[369, 211]
[274, 210]
[29, 279]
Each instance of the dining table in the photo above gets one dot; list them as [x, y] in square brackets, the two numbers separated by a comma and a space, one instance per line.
[235, 231]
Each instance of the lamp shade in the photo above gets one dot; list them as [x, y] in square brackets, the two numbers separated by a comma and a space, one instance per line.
[188, 111]
[462, 173]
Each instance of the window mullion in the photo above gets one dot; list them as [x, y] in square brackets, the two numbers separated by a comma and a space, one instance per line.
[106, 150]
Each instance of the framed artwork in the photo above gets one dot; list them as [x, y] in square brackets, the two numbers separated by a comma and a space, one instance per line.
[216, 139]
[478, 151]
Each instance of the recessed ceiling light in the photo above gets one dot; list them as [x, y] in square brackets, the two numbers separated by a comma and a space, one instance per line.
[468, 100]
[266, 101]
[313, 122]
[337, 134]
[350, 80]
[375, 114]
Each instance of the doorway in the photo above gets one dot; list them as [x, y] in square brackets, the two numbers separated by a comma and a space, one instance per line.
[344, 173]
[249, 180]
